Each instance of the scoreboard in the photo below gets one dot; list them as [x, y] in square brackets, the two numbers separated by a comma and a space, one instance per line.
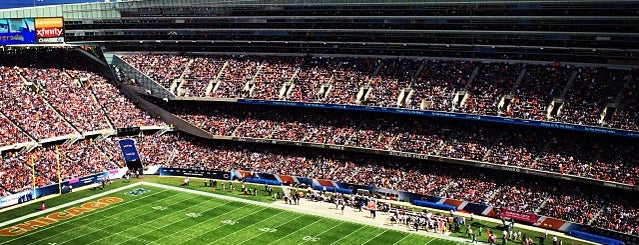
[31, 31]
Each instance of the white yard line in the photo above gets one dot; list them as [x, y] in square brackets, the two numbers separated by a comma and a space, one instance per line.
[273, 228]
[297, 230]
[50, 210]
[151, 211]
[430, 241]
[401, 239]
[191, 237]
[213, 241]
[94, 229]
[179, 220]
[75, 220]
[348, 234]
[375, 237]
[317, 235]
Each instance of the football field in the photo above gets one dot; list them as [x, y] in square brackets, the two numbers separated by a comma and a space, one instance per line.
[153, 214]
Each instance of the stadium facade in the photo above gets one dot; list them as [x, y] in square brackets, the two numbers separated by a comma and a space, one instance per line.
[583, 31]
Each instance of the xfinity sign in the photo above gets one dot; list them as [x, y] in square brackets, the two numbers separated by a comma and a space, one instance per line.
[49, 32]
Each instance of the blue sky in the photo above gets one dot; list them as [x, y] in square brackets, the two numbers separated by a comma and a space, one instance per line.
[5, 4]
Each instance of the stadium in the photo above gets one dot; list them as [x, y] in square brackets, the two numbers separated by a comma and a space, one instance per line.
[320, 122]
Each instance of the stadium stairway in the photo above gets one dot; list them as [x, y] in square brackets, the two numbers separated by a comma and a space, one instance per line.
[29, 136]
[543, 204]
[594, 217]
[95, 99]
[179, 88]
[69, 124]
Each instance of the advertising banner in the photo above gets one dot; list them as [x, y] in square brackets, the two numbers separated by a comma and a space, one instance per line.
[117, 173]
[49, 30]
[521, 216]
[129, 151]
[17, 198]
[87, 180]
[17, 31]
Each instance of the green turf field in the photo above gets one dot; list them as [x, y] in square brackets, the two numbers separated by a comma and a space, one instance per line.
[154, 215]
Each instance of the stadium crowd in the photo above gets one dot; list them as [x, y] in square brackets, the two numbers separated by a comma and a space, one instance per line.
[539, 86]
[9, 133]
[76, 160]
[59, 95]
[609, 159]
[493, 81]
[592, 90]
[65, 95]
[22, 105]
[202, 72]
[426, 84]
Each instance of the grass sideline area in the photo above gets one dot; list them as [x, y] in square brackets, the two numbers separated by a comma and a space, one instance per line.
[206, 207]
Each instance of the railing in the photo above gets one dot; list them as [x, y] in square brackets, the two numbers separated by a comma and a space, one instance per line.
[463, 116]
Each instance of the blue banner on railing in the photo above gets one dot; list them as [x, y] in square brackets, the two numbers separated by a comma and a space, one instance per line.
[332, 189]
[439, 206]
[595, 238]
[74, 183]
[129, 151]
[263, 181]
[496, 119]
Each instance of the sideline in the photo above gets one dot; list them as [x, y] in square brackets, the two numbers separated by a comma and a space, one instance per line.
[49, 210]
[292, 208]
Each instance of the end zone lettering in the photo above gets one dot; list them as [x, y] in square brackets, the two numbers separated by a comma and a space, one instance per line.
[57, 216]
